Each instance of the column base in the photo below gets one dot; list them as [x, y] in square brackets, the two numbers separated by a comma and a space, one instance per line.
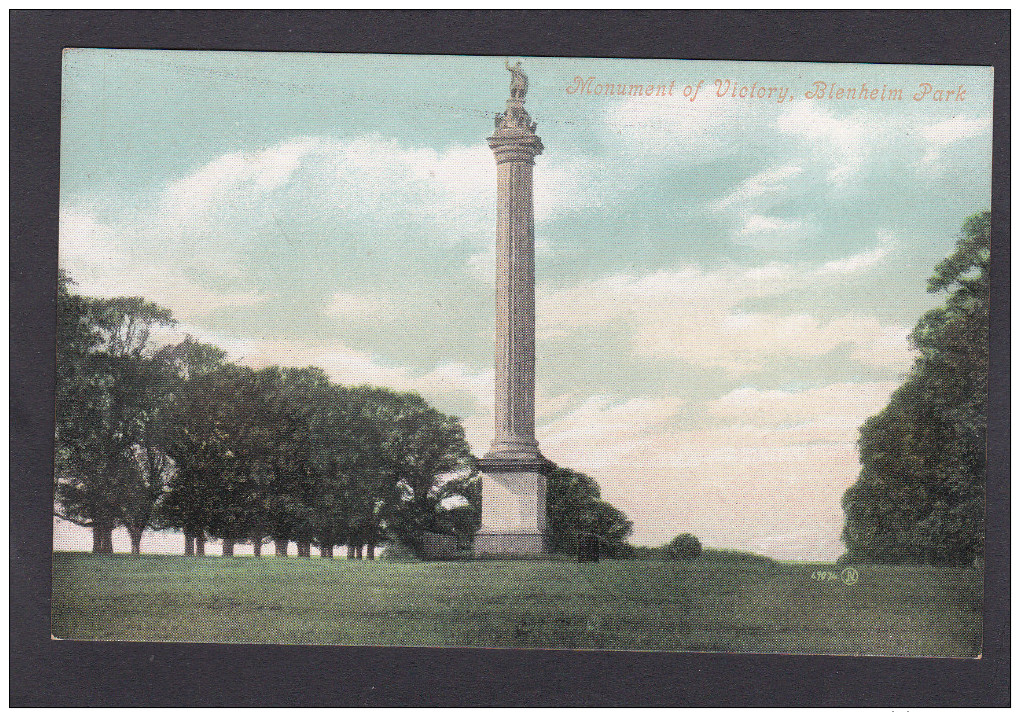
[511, 545]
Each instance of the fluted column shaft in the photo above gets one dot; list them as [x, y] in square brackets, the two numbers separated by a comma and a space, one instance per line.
[515, 153]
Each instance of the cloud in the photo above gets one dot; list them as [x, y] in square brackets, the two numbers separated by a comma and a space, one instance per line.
[103, 260]
[862, 260]
[757, 224]
[675, 127]
[769, 475]
[192, 246]
[356, 306]
[840, 403]
[605, 431]
[255, 172]
[941, 135]
[889, 347]
[844, 144]
[749, 202]
[765, 233]
[769, 183]
[696, 316]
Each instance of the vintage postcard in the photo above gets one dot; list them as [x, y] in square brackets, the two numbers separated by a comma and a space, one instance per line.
[519, 352]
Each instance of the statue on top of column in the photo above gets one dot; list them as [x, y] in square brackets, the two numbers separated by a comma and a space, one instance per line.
[518, 80]
[515, 118]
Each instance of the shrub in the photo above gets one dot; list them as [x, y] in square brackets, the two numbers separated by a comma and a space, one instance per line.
[683, 546]
[396, 550]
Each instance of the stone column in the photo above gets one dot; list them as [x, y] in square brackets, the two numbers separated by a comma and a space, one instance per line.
[513, 472]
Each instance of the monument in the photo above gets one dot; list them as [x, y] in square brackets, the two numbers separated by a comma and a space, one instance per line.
[514, 471]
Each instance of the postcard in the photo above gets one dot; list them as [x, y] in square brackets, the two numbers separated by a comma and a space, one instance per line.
[522, 352]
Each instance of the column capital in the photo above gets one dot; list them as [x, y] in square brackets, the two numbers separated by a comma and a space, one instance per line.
[515, 145]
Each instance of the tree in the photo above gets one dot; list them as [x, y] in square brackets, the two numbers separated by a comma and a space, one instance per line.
[109, 390]
[423, 452]
[920, 494]
[190, 357]
[148, 466]
[214, 485]
[461, 513]
[574, 506]
[77, 334]
[291, 402]
[683, 547]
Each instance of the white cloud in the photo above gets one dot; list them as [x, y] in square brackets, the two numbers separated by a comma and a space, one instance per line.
[299, 195]
[768, 477]
[483, 265]
[259, 172]
[752, 198]
[103, 261]
[355, 306]
[889, 348]
[695, 316]
[844, 404]
[842, 143]
[756, 224]
[769, 183]
[671, 127]
[940, 135]
[765, 233]
[862, 260]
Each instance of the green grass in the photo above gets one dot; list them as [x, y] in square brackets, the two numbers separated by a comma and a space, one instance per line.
[715, 603]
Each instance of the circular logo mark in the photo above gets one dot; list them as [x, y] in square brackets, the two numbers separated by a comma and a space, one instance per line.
[849, 575]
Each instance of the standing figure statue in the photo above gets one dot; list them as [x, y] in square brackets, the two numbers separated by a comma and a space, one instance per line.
[518, 80]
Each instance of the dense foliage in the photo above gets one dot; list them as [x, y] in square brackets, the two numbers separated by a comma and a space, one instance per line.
[682, 547]
[176, 437]
[920, 495]
[109, 391]
[574, 507]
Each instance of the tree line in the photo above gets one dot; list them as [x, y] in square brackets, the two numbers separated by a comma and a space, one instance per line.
[920, 496]
[175, 436]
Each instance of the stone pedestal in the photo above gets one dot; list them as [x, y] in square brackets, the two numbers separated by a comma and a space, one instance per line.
[513, 472]
[513, 513]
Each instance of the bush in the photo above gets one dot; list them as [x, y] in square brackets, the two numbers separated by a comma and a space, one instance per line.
[683, 546]
[396, 550]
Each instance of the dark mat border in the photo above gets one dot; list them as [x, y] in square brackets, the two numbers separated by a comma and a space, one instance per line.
[46, 672]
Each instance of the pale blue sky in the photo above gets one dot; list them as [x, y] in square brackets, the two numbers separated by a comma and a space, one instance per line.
[724, 284]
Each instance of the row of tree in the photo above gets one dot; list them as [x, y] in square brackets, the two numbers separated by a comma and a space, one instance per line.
[920, 497]
[174, 436]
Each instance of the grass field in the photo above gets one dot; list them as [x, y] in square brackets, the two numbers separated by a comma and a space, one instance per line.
[715, 603]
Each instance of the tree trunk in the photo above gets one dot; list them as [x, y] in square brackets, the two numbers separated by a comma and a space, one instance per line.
[370, 552]
[102, 539]
[304, 549]
[136, 539]
[281, 546]
[326, 551]
[358, 550]
[256, 546]
[200, 545]
[189, 544]
[228, 547]
[350, 550]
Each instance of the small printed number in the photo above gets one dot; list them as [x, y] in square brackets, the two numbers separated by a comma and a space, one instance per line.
[849, 576]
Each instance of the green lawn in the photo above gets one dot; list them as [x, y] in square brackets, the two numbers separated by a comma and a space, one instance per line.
[716, 603]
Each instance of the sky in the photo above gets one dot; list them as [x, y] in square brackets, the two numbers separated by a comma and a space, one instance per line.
[727, 268]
